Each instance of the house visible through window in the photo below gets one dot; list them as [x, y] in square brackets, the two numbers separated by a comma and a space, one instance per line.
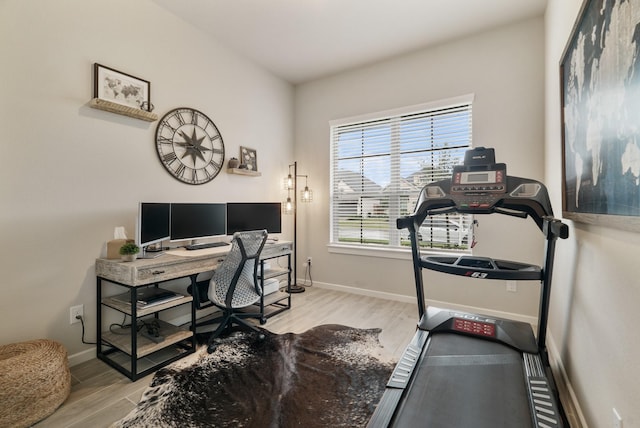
[379, 165]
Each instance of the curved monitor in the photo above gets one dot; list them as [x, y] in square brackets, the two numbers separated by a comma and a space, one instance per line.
[254, 216]
[198, 221]
[152, 223]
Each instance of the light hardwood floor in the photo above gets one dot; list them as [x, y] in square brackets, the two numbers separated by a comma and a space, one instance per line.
[100, 395]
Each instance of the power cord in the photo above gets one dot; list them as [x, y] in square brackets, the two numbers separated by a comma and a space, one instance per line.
[140, 325]
[79, 317]
[152, 326]
[307, 271]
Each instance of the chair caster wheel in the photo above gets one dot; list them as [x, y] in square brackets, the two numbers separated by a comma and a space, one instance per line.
[211, 349]
[263, 321]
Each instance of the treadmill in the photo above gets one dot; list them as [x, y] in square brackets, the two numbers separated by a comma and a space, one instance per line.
[470, 370]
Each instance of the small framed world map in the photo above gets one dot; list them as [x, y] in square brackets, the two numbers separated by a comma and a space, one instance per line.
[600, 90]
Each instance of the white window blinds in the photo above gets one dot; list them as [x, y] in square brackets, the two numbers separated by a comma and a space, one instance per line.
[379, 166]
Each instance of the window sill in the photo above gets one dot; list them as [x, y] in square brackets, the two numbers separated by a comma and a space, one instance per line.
[387, 253]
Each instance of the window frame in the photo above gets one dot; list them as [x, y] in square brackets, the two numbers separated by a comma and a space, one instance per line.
[385, 251]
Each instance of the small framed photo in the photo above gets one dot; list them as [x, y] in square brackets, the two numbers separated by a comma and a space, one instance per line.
[249, 158]
[121, 88]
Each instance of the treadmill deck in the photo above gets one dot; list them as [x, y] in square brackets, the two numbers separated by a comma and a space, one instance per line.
[462, 381]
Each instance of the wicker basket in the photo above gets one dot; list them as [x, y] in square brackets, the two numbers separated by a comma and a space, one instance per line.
[34, 381]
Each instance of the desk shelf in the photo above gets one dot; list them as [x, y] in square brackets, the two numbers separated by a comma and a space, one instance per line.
[121, 338]
[274, 273]
[125, 308]
[126, 347]
[274, 303]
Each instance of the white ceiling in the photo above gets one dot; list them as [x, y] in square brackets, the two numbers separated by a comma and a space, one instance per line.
[301, 40]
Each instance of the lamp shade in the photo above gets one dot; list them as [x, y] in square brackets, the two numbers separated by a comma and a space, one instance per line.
[306, 195]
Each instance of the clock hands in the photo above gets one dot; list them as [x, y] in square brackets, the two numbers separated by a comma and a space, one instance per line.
[193, 146]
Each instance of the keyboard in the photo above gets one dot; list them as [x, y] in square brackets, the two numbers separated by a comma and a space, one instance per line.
[207, 245]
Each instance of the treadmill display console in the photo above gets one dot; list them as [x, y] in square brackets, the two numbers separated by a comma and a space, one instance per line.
[474, 327]
[465, 181]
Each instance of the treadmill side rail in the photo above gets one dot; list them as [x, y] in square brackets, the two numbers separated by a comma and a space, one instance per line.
[399, 381]
[542, 399]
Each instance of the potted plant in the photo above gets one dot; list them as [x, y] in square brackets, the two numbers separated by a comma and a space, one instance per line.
[129, 251]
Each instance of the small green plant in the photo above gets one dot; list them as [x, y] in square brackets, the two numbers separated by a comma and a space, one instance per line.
[129, 248]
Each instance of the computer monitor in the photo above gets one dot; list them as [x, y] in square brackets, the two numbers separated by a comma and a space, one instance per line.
[191, 221]
[254, 216]
[152, 224]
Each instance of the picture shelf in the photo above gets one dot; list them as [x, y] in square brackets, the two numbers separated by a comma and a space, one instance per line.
[112, 107]
[243, 171]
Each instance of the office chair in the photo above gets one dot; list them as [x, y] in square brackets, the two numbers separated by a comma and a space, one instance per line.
[234, 284]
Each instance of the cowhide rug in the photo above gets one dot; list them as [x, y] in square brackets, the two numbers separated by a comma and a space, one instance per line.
[329, 376]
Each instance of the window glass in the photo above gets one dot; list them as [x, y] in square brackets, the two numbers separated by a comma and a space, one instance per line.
[379, 166]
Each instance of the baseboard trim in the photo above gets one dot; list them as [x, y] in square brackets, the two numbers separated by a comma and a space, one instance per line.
[568, 397]
[364, 292]
[440, 304]
[81, 357]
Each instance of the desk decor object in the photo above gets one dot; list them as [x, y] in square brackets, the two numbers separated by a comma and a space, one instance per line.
[600, 120]
[190, 146]
[129, 251]
[340, 373]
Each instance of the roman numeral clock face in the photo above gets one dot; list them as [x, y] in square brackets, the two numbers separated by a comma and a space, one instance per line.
[190, 146]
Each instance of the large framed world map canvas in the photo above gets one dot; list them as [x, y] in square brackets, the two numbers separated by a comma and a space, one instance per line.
[600, 90]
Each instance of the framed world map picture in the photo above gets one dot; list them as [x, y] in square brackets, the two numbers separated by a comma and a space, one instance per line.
[600, 90]
[121, 88]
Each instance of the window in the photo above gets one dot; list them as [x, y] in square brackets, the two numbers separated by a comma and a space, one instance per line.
[379, 165]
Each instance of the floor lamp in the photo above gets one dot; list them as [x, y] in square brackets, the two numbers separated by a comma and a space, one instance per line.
[291, 207]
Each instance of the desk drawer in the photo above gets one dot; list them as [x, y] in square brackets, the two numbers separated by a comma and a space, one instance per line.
[275, 250]
[147, 275]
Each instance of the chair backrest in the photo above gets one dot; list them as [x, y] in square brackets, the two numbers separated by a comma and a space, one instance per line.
[234, 283]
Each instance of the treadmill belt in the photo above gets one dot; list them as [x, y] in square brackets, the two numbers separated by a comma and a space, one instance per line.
[463, 381]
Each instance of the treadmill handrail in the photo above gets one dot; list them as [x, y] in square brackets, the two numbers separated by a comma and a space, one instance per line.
[537, 207]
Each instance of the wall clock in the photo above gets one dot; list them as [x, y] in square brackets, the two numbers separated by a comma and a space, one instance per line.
[190, 146]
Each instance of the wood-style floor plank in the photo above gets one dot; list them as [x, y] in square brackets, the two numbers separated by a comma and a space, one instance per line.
[100, 395]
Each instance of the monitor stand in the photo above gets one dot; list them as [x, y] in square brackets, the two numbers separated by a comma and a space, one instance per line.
[148, 255]
[151, 253]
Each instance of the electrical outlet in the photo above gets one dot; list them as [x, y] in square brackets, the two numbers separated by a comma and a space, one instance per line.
[512, 286]
[74, 312]
[617, 419]
[308, 261]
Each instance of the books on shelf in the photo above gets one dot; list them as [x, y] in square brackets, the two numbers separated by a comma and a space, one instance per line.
[149, 296]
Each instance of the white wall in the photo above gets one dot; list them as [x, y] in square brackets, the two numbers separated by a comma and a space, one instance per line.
[69, 174]
[595, 301]
[504, 68]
